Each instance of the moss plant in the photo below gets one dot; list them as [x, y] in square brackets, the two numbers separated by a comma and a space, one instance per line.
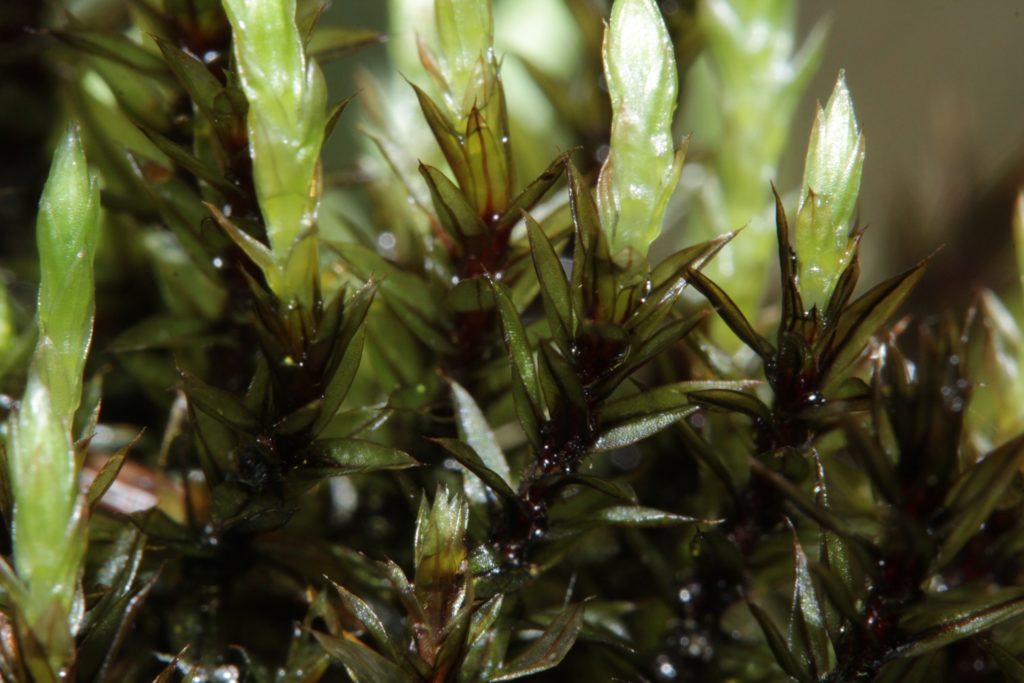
[454, 419]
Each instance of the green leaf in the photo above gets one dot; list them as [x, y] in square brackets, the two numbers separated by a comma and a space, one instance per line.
[861, 319]
[668, 280]
[369, 618]
[786, 659]
[188, 161]
[481, 641]
[257, 252]
[593, 274]
[335, 115]
[406, 594]
[873, 458]
[808, 635]
[731, 314]
[108, 473]
[667, 397]
[349, 423]
[652, 347]
[221, 405]
[486, 146]
[114, 618]
[471, 294]
[936, 628]
[448, 138]
[459, 219]
[632, 516]
[183, 217]
[518, 347]
[299, 419]
[802, 500]
[362, 664]
[619, 490]
[792, 303]
[474, 431]
[357, 456]
[977, 493]
[224, 108]
[347, 352]
[632, 430]
[554, 287]
[549, 649]
[116, 48]
[732, 400]
[697, 446]
[409, 296]
[396, 285]
[472, 462]
[532, 194]
[332, 42]
[558, 380]
[845, 286]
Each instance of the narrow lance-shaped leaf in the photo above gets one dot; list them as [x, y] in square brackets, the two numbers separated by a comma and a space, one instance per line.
[548, 650]
[362, 664]
[632, 516]
[474, 430]
[808, 636]
[731, 314]
[637, 428]
[355, 456]
[783, 655]
[459, 218]
[554, 287]
[940, 628]
[469, 459]
[370, 620]
[832, 171]
[977, 493]
[862, 318]
[518, 346]
[642, 168]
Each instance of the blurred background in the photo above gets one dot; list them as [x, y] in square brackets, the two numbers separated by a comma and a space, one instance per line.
[938, 87]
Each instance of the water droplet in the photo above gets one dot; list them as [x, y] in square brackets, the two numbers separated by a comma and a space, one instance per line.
[226, 674]
[218, 262]
[685, 595]
[386, 241]
[666, 671]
